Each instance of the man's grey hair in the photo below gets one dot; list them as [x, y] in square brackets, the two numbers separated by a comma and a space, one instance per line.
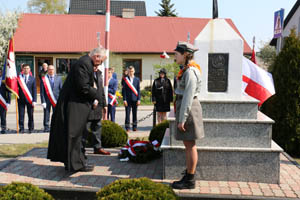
[98, 50]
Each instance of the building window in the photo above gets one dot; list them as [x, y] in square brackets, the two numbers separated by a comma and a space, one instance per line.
[63, 65]
[136, 63]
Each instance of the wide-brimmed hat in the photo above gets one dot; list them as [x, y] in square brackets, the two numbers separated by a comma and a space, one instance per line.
[185, 47]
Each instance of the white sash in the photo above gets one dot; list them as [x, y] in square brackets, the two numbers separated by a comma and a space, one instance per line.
[130, 85]
[48, 90]
[25, 89]
[3, 102]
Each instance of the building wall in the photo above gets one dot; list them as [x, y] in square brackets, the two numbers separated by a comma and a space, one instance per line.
[293, 23]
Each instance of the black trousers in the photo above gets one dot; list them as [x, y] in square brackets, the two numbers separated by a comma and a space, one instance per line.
[47, 111]
[21, 107]
[93, 127]
[77, 114]
[3, 118]
[131, 105]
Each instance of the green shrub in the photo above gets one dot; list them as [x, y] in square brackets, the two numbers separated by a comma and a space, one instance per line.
[23, 191]
[285, 109]
[158, 131]
[136, 189]
[112, 134]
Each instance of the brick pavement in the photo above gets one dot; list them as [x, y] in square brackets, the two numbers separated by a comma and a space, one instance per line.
[33, 167]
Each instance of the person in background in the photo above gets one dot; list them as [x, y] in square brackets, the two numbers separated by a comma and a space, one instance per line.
[114, 74]
[131, 98]
[76, 99]
[93, 125]
[162, 95]
[5, 97]
[112, 98]
[50, 87]
[188, 114]
[43, 70]
[27, 98]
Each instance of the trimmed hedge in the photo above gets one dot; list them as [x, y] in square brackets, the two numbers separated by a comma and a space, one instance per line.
[23, 191]
[112, 134]
[158, 131]
[136, 189]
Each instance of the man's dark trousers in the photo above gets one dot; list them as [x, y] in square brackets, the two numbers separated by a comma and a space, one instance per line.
[21, 107]
[3, 118]
[131, 105]
[47, 115]
[111, 112]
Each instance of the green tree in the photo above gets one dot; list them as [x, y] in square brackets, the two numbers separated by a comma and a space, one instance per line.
[267, 54]
[167, 9]
[8, 25]
[171, 68]
[47, 6]
[284, 108]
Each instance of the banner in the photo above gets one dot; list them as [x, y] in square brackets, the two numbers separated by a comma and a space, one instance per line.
[278, 23]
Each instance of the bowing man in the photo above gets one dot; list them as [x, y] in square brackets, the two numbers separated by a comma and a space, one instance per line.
[112, 98]
[50, 86]
[27, 97]
[131, 97]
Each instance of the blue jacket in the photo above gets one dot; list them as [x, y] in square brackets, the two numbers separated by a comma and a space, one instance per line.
[128, 94]
[112, 87]
[56, 89]
[31, 85]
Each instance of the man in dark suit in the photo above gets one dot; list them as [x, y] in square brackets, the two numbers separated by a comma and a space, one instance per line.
[5, 96]
[94, 121]
[50, 87]
[72, 110]
[27, 98]
[112, 99]
[131, 97]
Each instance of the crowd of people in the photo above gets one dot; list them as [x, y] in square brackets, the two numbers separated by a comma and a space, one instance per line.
[80, 104]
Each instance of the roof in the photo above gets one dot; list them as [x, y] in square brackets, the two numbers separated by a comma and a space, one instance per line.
[286, 20]
[93, 7]
[45, 33]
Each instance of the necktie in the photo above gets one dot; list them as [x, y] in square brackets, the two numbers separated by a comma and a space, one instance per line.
[52, 81]
[25, 79]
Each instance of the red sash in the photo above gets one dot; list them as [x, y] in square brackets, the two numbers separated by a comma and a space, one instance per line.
[113, 99]
[130, 85]
[25, 89]
[49, 91]
[3, 102]
[134, 143]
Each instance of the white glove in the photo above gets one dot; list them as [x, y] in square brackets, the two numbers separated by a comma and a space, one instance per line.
[7, 105]
[33, 104]
[44, 105]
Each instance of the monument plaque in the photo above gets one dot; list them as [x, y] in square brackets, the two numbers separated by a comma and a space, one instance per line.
[217, 72]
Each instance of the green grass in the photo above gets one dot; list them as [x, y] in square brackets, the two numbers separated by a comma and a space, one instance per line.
[14, 150]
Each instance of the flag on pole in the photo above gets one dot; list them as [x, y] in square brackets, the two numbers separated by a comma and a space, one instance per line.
[165, 55]
[253, 58]
[10, 70]
[257, 82]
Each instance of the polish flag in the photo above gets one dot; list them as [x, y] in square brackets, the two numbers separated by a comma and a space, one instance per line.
[10, 70]
[165, 55]
[257, 82]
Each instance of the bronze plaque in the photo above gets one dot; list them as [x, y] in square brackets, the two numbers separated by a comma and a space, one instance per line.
[217, 72]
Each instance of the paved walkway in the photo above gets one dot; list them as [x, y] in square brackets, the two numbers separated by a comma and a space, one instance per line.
[33, 167]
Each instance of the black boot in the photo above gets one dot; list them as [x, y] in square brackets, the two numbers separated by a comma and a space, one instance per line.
[187, 182]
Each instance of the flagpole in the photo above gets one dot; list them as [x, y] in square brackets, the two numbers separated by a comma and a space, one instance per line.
[17, 114]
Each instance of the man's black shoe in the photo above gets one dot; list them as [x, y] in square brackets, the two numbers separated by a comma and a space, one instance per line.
[46, 130]
[3, 131]
[187, 182]
[86, 168]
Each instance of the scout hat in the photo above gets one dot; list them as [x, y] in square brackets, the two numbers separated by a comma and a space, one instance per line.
[185, 47]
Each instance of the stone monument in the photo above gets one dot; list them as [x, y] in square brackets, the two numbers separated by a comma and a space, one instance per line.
[238, 142]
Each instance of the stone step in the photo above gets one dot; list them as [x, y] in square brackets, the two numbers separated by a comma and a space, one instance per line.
[254, 133]
[245, 108]
[226, 164]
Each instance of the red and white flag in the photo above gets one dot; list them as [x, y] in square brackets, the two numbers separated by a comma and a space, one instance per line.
[165, 55]
[11, 72]
[257, 82]
[253, 58]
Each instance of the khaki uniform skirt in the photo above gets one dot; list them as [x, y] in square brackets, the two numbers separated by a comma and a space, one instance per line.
[194, 123]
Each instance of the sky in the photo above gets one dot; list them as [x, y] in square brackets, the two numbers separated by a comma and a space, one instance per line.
[252, 17]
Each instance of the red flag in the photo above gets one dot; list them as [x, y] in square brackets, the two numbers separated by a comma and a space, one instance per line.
[257, 82]
[253, 58]
[164, 55]
[11, 72]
